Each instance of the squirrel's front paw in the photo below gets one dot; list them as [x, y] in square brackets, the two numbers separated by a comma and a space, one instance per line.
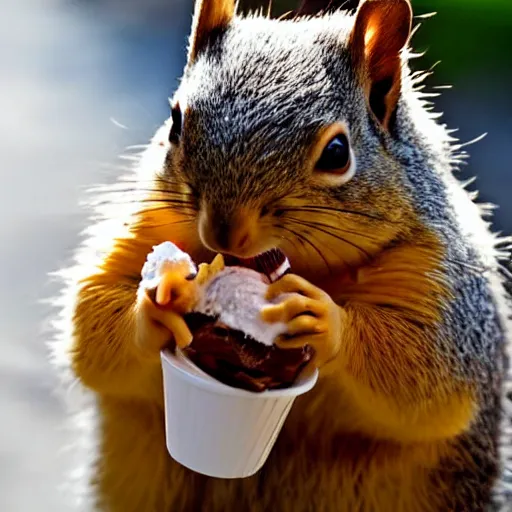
[311, 316]
[160, 309]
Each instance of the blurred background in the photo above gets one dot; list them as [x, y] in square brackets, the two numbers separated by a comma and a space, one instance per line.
[81, 80]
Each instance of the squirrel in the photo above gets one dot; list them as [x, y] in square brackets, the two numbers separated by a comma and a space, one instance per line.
[308, 134]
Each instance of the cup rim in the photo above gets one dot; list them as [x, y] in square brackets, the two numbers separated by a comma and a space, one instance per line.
[189, 372]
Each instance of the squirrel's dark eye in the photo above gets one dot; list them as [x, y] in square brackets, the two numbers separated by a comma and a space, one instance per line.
[336, 156]
[175, 133]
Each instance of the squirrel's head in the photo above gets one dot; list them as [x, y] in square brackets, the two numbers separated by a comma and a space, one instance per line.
[281, 131]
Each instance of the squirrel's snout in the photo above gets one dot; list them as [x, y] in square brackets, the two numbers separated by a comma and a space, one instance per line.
[235, 234]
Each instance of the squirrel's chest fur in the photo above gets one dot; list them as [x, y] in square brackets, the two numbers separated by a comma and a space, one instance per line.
[316, 465]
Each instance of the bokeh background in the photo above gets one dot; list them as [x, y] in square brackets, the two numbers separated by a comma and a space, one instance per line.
[81, 80]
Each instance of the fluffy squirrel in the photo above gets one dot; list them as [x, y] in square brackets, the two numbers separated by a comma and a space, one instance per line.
[308, 134]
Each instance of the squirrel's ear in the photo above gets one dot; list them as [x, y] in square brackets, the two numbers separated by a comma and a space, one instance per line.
[210, 16]
[382, 29]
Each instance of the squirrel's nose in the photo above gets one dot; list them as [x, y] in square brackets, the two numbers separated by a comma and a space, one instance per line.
[231, 235]
[221, 231]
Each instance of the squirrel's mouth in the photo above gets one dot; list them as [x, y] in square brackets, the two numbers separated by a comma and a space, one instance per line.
[274, 263]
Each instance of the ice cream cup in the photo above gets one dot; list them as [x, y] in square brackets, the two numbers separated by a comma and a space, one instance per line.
[218, 430]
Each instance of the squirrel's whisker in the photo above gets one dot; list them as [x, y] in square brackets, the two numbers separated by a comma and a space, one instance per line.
[169, 203]
[295, 243]
[146, 194]
[161, 208]
[136, 180]
[163, 224]
[318, 242]
[335, 228]
[338, 237]
[305, 239]
[313, 208]
[166, 200]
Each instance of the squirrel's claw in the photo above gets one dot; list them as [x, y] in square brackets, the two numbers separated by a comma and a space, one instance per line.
[158, 326]
[174, 320]
[217, 264]
[311, 316]
[208, 270]
[177, 325]
[164, 289]
[202, 274]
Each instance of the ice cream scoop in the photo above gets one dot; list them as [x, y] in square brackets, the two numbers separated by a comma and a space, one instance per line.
[230, 341]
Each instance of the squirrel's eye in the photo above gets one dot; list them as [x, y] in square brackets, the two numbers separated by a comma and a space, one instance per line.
[175, 133]
[336, 156]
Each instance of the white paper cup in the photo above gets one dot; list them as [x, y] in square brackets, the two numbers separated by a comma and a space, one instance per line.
[218, 430]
